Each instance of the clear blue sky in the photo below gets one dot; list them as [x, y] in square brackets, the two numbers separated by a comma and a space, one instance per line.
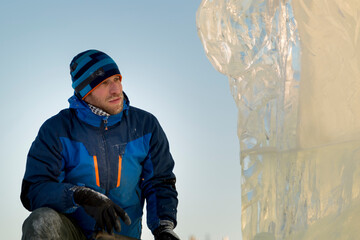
[165, 71]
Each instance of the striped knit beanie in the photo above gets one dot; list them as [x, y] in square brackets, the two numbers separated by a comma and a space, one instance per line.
[88, 69]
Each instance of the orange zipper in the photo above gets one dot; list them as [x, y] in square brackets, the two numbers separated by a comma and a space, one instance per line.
[119, 172]
[96, 171]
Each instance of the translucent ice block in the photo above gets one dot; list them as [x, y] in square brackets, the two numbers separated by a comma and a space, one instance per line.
[294, 72]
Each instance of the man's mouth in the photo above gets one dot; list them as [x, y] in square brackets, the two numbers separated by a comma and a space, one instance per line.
[115, 100]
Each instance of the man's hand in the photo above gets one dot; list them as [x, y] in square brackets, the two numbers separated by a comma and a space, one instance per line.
[165, 231]
[167, 236]
[105, 212]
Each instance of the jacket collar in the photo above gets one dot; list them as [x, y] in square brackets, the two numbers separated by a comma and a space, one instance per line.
[85, 114]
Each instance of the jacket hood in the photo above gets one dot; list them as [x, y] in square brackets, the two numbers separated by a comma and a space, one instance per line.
[85, 114]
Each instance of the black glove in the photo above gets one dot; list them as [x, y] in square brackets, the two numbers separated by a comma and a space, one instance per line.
[105, 212]
[165, 231]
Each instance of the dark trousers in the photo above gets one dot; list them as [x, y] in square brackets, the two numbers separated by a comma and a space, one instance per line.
[48, 224]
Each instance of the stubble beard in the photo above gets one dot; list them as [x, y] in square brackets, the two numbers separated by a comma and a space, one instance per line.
[112, 110]
[106, 106]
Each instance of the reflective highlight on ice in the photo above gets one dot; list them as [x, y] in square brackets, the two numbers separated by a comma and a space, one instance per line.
[294, 72]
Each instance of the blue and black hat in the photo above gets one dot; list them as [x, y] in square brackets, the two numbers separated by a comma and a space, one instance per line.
[90, 68]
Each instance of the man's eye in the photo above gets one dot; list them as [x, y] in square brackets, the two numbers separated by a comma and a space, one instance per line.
[105, 83]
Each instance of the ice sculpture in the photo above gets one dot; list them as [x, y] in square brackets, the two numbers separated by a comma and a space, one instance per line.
[294, 72]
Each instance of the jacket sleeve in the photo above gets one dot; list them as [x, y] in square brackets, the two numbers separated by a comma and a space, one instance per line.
[158, 180]
[42, 186]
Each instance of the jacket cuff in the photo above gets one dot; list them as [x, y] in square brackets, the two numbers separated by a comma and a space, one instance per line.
[166, 226]
[75, 206]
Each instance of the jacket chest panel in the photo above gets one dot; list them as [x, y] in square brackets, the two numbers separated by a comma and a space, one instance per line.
[104, 162]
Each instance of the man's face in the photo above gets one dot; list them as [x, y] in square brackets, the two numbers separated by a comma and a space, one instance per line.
[108, 96]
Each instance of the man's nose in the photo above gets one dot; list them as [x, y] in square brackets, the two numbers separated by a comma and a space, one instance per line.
[115, 87]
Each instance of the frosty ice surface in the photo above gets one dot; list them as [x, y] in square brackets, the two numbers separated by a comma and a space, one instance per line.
[294, 72]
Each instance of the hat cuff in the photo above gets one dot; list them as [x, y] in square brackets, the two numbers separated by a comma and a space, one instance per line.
[91, 90]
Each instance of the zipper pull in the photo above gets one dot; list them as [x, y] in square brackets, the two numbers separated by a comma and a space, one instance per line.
[105, 123]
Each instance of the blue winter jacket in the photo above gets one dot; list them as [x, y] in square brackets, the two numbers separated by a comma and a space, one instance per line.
[125, 156]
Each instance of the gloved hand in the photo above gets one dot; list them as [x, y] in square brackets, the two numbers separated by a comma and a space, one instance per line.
[165, 231]
[105, 212]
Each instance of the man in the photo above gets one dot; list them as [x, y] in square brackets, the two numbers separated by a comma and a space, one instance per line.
[92, 166]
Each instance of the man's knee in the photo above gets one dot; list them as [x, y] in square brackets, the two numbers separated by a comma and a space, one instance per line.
[43, 223]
